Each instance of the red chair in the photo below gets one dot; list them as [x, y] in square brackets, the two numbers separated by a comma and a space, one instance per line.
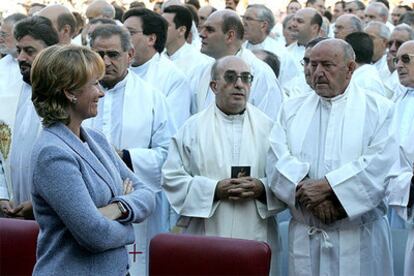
[18, 240]
[178, 254]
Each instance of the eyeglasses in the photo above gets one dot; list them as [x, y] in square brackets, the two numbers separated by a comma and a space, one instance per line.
[110, 54]
[406, 59]
[397, 43]
[231, 77]
[352, 10]
[305, 61]
[248, 18]
[4, 34]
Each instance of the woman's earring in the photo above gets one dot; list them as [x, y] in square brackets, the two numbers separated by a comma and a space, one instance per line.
[74, 100]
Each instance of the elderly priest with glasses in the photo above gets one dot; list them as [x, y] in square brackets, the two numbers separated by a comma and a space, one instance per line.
[214, 176]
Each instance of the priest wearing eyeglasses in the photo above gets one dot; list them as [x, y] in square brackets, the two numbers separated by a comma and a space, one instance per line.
[214, 176]
[401, 184]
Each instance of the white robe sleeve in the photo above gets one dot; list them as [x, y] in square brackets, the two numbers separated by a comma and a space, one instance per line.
[360, 185]
[284, 171]
[4, 194]
[147, 162]
[189, 195]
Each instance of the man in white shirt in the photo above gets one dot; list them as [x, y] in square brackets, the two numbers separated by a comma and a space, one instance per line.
[380, 35]
[347, 24]
[149, 32]
[364, 48]
[327, 159]
[182, 54]
[222, 35]
[401, 186]
[377, 11]
[135, 119]
[399, 35]
[214, 176]
[9, 66]
[258, 21]
[32, 35]
[63, 21]
[306, 25]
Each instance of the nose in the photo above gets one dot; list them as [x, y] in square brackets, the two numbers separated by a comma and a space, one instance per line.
[202, 34]
[106, 60]
[22, 56]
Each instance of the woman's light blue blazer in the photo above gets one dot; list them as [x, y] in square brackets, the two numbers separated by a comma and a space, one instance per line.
[71, 180]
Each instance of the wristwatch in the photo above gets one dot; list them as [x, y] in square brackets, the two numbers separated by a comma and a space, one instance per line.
[122, 208]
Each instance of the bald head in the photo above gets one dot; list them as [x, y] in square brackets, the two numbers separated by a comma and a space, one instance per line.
[62, 20]
[306, 24]
[100, 8]
[332, 64]
[376, 11]
[347, 24]
[231, 82]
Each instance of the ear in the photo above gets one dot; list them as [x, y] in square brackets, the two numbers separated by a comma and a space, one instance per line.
[315, 28]
[230, 36]
[69, 95]
[182, 30]
[351, 68]
[152, 38]
[264, 25]
[213, 86]
[131, 55]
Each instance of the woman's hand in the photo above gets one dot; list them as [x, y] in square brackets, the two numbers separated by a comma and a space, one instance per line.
[112, 211]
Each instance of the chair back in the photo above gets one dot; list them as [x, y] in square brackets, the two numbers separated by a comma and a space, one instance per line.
[179, 254]
[18, 239]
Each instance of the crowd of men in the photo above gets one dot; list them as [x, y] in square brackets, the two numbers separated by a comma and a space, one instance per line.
[232, 118]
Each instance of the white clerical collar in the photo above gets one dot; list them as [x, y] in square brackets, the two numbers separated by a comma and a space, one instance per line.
[143, 68]
[179, 51]
[231, 117]
[117, 86]
[337, 98]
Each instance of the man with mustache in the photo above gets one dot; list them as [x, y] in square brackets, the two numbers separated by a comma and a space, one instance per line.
[227, 139]
[32, 34]
[326, 162]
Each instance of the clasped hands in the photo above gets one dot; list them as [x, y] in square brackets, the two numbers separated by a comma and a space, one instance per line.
[319, 199]
[23, 210]
[242, 188]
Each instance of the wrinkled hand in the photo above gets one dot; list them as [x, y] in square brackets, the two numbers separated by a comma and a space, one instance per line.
[328, 212]
[310, 193]
[223, 187]
[23, 210]
[127, 187]
[246, 188]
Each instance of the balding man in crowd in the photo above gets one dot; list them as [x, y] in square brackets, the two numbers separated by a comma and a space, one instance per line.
[347, 24]
[100, 8]
[327, 159]
[222, 35]
[216, 163]
[203, 13]
[377, 11]
[9, 66]
[306, 26]
[398, 12]
[258, 21]
[32, 35]
[63, 21]
[357, 8]
[380, 35]
[401, 186]
[399, 35]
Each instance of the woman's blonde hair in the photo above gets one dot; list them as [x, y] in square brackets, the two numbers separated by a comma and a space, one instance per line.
[57, 69]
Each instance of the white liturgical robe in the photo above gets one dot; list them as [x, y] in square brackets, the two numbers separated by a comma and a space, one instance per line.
[134, 116]
[187, 58]
[298, 86]
[366, 77]
[25, 125]
[288, 67]
[9, 72]
[347, 140]
[163, 75]
[265, 92]
[382, 67]
[201, 154]
[297, 52]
